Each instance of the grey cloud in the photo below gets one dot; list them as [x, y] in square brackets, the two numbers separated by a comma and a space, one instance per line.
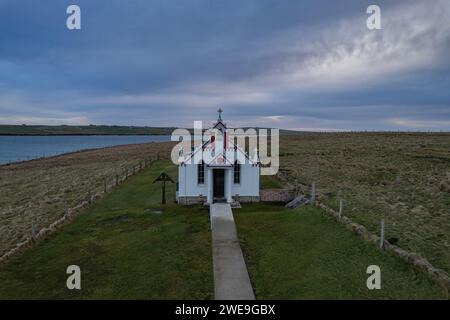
[281, 62]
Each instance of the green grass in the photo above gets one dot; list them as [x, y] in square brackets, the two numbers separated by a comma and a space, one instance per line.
[125, 250]
[302, 254]
[270, 182]
[403, 178]
[38, 190]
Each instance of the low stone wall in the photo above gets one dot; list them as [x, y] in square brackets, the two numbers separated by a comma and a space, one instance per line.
[190, 200]
[276, 195]
[70, 213]
[438, 275]
[246, 199]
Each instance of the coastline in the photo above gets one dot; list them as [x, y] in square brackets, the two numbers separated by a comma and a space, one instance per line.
[81, 151]
[79, 134]
[65, 130]
[22, 148]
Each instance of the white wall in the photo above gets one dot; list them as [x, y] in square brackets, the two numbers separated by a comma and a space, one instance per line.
[187, 181]
[249, 185]
[188, 186]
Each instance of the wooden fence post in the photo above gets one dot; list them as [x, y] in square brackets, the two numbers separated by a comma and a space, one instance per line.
[104, 185]
[33, 231]
[341, 207]
[313, 192]
[382, 234]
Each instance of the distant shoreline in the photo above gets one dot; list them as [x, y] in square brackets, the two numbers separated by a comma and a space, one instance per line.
[99, 150]
[105, 130]
[79, 134]
[28, 147]
[89, 130]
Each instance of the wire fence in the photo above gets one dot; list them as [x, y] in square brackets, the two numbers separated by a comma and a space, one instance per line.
[337, 211]
[99, 189]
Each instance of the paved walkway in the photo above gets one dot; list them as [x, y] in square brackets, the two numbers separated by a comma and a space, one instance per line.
[231, 280]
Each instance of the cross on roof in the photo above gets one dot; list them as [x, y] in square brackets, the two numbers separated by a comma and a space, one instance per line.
[220, 114]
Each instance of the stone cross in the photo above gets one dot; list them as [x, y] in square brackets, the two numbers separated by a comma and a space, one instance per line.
[163, 177]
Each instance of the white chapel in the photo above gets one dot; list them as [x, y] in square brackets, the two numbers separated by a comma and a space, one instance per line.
[218, 170]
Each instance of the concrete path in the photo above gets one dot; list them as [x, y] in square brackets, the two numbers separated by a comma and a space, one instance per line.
[231, 280]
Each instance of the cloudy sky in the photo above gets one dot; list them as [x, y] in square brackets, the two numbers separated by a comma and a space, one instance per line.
[307, 65]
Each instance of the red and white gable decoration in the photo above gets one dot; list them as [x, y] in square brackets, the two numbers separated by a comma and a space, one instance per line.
[219, 150]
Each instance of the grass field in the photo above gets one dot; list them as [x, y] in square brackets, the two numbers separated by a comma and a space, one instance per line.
[39, 189]
[270, 182]
[302, 254]
[403, 178]
[127, 246]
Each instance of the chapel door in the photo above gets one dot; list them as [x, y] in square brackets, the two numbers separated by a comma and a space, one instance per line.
[219, 181]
